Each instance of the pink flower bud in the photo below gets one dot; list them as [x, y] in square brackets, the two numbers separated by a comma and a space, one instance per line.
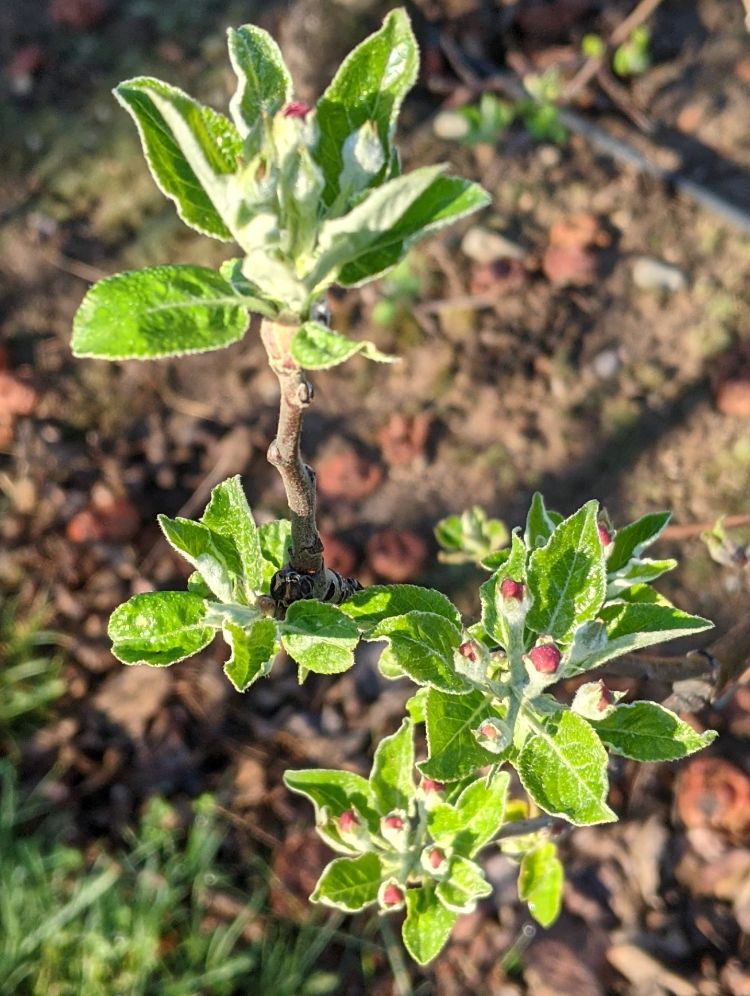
[436, 858]
[348, 821]
[392, 895]
[545, 658]
[605, 537]
[489, 732]
[296, 110]
[469, 651]
[511, 589]
[606, 699]
[393, 822]
[430, 785]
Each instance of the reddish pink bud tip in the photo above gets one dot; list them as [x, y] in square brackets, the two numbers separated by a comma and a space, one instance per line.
[436, 858]
[469, 651]
[606, 699]
[488, 731]
[546, 659]
[511, 589]
[605, 536]
[430, 785]
[392, 895]
[296, 110]
[394, 822]
[348, 821]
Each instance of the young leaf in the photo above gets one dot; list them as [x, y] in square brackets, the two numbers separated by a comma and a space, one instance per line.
[319, 637]
[540, 883]
[159, 628]
[228, 514]
[427, 926]
[316, 347]
[451, 720]
[421, 644]
[446, 200]
[253, 651]
[634, 625]
[513, 567]
[350, 884]
[334, 790]
[380, 601]
[190, 150]
[263, 81]
[565, 771]
[463, 886]
[476, 816]
[567, 577]
[275, 539]
[213, 555]
[632, 540]
[392, 775]
[637, 571]
[647, 731]
[370, 85]
[159, 311]
[540, 523]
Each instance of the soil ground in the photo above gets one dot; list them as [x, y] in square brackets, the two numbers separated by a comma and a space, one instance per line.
[595, 387]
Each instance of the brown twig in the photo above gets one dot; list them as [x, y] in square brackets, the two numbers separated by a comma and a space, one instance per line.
[690, 530]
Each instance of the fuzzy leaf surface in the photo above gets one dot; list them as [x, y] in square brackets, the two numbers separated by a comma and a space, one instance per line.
[350, 884]
[476, 816]
[421, 644]
[450, 719]
[633, 539]
[316, 347]
[567, 576]
[159, 628]
[465, 884]
[214, 556]
[427, 926]
[378, 602]
[540, 883]
[647, 731]
[159, 311]
[565, 772]
[228, 514]
[275, 539]
[190, 150]
[319, 637]
[263, 81]
[253, 650]
[392, 775]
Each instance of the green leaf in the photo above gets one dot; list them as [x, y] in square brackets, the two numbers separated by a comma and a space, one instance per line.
[160, 311]
[634, 625]
[427, 925]
[646, 731]
[463, 886]
[190, 149]
[332, 792]
[370, 85]
[637, 571]
[253, 651]
[540, 883]
[392, 775]
[382, 601]
[214, 556]
[567, 577]
[540, 523]
[319, 637]
[263, 81]
[228, 514]
[316, 347]
[470, 537]
[632, 540]
[159, 628]
[445, 201]
[454, 751]
[275, 539]
[350, 884]
[476, 816]
[565, 771]
[421, 644]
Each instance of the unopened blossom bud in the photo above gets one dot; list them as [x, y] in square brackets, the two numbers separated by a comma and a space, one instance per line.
[545, 658]
[511, 589]
[430, 785]
[606, 699]
[296, 109]
[348, 821]
[394, 822]
[489, 731]
[469, 651]
[392, 895]
[436, 858]
[605, 536]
